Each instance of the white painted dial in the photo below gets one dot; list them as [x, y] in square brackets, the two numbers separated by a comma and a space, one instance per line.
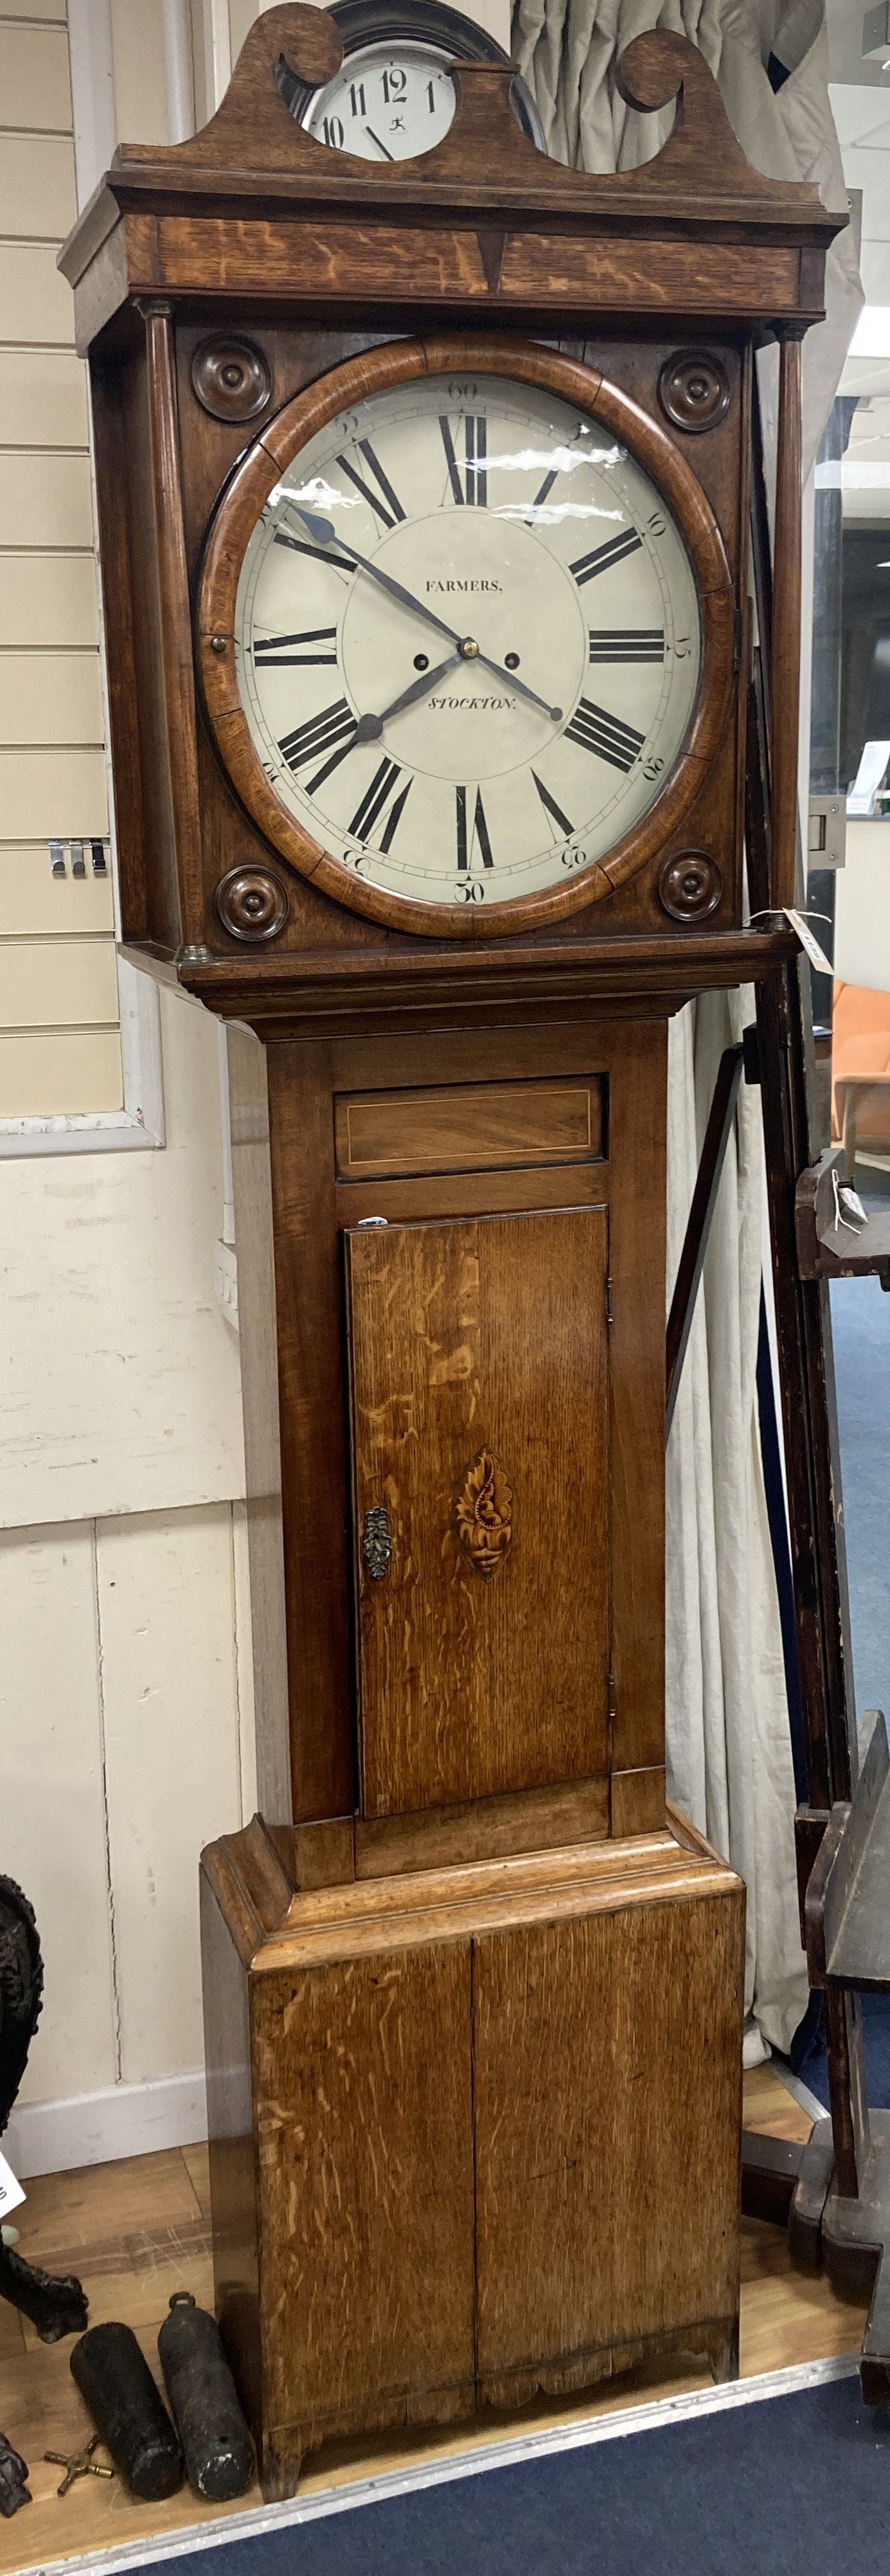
[467, 640]
[386, 103]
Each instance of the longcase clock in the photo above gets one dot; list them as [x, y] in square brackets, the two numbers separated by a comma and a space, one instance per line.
[423, 488]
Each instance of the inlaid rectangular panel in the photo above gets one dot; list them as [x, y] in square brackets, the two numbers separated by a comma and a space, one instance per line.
[479, 1415]
[468, 1128]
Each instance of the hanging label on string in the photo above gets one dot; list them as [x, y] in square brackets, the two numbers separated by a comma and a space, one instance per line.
[808, 941]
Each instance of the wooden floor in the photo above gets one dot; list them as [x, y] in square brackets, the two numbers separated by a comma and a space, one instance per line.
[136, 2231]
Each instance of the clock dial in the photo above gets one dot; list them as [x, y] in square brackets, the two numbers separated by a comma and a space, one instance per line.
[468, 641]
[386, 103]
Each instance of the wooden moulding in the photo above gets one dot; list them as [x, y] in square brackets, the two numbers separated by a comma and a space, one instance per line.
[273, 451]
[330, 266]
[784, 753]
[178, 675]
[310, 994]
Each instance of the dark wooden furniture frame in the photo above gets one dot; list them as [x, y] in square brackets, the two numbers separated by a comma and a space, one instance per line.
[225, 289]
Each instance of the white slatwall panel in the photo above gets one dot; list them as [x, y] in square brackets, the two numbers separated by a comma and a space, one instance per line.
[59, 1051]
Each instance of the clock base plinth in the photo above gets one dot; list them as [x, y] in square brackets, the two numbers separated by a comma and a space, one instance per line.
[474, 2130]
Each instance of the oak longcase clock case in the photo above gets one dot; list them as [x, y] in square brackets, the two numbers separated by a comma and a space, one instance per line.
[423, 489]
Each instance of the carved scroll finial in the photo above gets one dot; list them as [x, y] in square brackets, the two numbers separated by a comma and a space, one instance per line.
[661, 65]
[484, 1509]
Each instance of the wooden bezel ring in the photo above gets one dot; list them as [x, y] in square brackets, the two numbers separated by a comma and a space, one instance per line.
[690, 886]
[377, 371]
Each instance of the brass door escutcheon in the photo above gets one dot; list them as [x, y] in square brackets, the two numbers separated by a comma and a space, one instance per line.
[376, 1541]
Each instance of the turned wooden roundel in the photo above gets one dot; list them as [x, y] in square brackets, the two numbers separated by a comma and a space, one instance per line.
[465, 635]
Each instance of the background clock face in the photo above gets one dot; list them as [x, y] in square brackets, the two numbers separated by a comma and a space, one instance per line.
[386, 103]
[495, 722]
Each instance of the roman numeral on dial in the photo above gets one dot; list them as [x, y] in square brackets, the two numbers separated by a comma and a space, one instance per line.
[385, 501]
[268, 654]
[602, 558]
[627, 644]
[320, 554]
[540, 497]
[596, 730]
[467, 833]
[332, 731]
[383, 792]
[467, 475]
[564, 827]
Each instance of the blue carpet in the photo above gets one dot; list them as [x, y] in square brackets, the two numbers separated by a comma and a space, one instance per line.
[793, 2486]
[860, 1317]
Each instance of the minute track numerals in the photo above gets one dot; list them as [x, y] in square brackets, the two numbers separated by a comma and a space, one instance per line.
[467, 642]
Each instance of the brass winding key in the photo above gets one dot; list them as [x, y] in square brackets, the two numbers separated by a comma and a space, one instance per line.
[78, 2464]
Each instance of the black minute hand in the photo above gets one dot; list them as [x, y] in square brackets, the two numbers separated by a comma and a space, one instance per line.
[323, 533]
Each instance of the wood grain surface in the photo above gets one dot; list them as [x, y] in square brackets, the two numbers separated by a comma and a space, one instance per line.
[130, 2229]
[619, 2005]
[459, 1129]
[468, 2084]
[365, 2139]
[471, 1337]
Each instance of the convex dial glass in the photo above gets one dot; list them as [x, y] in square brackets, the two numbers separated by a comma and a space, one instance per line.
[467, 640]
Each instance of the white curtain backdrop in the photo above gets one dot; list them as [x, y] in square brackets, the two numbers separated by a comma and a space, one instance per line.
[729, 1750]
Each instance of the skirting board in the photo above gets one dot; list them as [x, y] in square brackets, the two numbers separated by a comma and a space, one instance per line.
[100, 2128]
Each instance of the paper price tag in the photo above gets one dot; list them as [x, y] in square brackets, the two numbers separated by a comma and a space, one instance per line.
[11, 2192]
[809, 942]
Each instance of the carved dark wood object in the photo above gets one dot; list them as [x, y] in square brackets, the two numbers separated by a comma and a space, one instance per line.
[55, 2305]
